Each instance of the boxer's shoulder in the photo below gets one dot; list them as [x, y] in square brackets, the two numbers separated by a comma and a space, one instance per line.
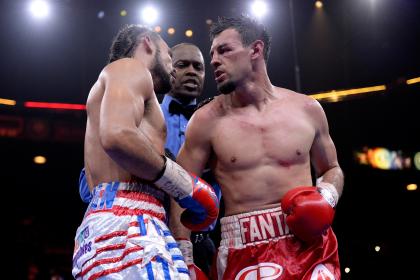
[129, 74]
[125, 68]
[203, 103]
[207, 111]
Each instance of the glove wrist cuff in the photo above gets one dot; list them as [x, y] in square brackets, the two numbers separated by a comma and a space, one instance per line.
[329, 193]
[186, 248]
[175, 180]
[162, 171]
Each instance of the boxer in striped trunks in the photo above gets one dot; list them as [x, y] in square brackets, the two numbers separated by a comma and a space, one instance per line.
[123, 234]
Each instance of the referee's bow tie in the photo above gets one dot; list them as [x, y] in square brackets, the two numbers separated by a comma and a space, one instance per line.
[177, 109]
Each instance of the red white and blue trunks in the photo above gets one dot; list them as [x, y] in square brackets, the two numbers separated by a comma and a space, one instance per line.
[123, 236]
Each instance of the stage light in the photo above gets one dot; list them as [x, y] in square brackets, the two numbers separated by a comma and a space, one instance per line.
[188, 33]
[123, 13]
[413, 81]
[258, 8]
[101, 14]
[9, 102]
[411, 187]
[171, 31]
[39, 9]
[209, 21]
[377, 248]
[49, 105]
[40, 160]
[319, 4]
[343, 93]
[158, 29]
[149, 15]
[416, 160]
[347, 270]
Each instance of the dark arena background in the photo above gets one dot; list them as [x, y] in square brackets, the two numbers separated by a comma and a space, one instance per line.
[359, 58]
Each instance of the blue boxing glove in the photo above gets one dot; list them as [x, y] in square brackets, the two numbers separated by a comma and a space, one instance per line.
[192, 193]
[84, 191]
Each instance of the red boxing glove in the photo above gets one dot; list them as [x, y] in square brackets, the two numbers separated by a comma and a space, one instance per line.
[309, 214]
[202, 206]
[192, 193]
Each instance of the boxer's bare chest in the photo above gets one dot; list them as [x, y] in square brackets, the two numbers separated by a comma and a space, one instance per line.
[277, 135]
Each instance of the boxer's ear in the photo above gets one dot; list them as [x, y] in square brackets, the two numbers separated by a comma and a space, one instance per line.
[257, 49]
[149, 45]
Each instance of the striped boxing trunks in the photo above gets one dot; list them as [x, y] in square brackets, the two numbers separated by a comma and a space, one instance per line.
[123, 236]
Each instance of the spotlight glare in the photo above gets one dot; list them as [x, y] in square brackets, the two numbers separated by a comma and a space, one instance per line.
[149, 15]
[417, 161]
[9, 102]
[39, 9]
[411, 187]
[188, 33]
[40, 160]
[319, 4]
[158, 29]
[101, 14]
[413, 81]
[171, 31]
[123, 13]
[347, 270]
[259, 8]
[377, 248]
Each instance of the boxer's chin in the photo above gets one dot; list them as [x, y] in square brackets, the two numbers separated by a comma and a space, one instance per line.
[226, 87]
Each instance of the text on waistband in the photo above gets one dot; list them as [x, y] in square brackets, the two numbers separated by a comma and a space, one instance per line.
[263, 226]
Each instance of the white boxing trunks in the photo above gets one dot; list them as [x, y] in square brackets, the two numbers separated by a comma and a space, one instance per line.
[123, 236]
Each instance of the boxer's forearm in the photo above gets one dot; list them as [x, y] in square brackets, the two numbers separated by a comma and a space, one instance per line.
[335, 177]
[133, 151]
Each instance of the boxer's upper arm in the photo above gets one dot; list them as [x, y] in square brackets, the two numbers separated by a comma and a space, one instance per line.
[195, 151]
[122, 107]
[323, 152]
[128, 86]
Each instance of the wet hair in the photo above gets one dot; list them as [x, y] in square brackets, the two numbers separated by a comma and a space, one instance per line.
[127, 40]
[249, 30]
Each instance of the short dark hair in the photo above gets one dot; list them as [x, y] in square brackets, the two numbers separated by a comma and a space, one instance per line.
[249, 29]
[127, 40]
[184, 44]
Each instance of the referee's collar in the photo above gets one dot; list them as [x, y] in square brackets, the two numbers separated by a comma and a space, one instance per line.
[167, 100]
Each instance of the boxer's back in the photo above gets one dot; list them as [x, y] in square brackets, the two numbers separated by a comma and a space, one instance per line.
[99, 165]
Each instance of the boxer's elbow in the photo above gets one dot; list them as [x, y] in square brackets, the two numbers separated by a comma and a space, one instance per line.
[112, 139]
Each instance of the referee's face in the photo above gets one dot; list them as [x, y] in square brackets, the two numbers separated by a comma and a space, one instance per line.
[188, 62]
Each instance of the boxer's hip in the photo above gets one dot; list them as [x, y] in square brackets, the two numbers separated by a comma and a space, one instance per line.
[126, 199]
